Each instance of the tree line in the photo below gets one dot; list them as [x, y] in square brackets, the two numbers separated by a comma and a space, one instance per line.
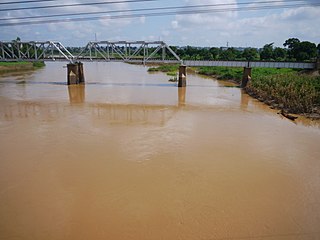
[293, 50]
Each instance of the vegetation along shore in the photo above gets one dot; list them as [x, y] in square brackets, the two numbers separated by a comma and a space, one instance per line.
[289, 90]
[6, 67]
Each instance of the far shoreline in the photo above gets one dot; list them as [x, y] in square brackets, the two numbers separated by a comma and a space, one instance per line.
[8, 67]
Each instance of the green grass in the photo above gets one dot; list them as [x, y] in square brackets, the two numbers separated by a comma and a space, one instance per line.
[38, 64]
[19, 66]
[298, 93]
[226, 73]
[6, 64]
[235, 73]
[171, 70]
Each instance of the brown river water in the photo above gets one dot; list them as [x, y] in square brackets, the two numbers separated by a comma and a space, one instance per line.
[131, 156]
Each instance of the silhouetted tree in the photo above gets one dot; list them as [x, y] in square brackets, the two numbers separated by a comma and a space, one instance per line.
[228, 54]
[267, 52]
[250, 54]
[279, 54]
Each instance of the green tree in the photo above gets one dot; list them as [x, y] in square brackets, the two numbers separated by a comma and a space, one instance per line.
[267, 52]
[214, 52]
[306, 51]
[279, 54]
[292, 45]
[301, 51]
[250, 54]
[229, 54]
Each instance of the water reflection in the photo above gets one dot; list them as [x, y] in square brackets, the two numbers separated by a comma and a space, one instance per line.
[244, 100]
[76, 93]
[182, 96]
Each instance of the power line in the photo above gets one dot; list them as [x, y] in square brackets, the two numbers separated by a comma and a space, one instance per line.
[158, 14]
[75, 4]
[145, 9]
[28, 1]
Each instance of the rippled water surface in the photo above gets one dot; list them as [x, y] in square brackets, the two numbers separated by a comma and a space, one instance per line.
[131, 156]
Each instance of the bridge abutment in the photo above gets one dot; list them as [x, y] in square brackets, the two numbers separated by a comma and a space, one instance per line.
[246, 76]
[182, 81]
[75, 74]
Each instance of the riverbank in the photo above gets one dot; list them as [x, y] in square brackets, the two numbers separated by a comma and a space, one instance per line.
[6, 67]
[288, 90]
[290, 93]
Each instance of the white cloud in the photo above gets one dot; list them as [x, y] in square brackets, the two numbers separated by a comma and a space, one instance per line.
[254, 29]
[142, 19]
[175, 24]
[251, 28]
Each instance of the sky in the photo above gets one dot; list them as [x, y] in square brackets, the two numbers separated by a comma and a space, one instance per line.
[253, 28]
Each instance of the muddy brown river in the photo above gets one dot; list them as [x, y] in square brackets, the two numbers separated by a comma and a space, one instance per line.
[131, 156]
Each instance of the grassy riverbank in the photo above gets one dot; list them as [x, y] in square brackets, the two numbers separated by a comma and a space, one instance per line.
[295, 93]
[6, 67]
[171, 70]
[235, 73]
[285, 89]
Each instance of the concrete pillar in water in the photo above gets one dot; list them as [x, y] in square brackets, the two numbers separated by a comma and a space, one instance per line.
[76, 93]
[81, 73]
[182, 76]
[75, 74]
[246, 76]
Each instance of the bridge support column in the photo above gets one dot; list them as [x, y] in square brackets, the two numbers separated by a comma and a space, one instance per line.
[75, 74]
[182, 76]
[317, 67]
[246, 76]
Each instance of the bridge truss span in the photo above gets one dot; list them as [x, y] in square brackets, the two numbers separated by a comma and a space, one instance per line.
[34, 51]
[126, 51]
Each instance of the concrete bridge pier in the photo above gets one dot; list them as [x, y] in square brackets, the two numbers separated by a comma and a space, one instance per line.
[75, 74]
[317, 67]
[182, 76]
[246, 76]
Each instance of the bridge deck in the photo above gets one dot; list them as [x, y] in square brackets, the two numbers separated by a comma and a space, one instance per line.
[189, 63]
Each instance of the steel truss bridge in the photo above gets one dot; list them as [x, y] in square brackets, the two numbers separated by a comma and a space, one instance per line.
[125, 51]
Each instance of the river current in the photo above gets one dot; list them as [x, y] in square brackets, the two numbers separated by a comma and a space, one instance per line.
[129, 155]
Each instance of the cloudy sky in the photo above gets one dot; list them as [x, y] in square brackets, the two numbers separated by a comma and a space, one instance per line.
[246, 28]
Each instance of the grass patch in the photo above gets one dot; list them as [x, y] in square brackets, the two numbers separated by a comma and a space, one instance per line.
[6, 67]
[171, 70]
[38, 64]
[298, 93]
[227, 73]
[235, 73]
[9, 64]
